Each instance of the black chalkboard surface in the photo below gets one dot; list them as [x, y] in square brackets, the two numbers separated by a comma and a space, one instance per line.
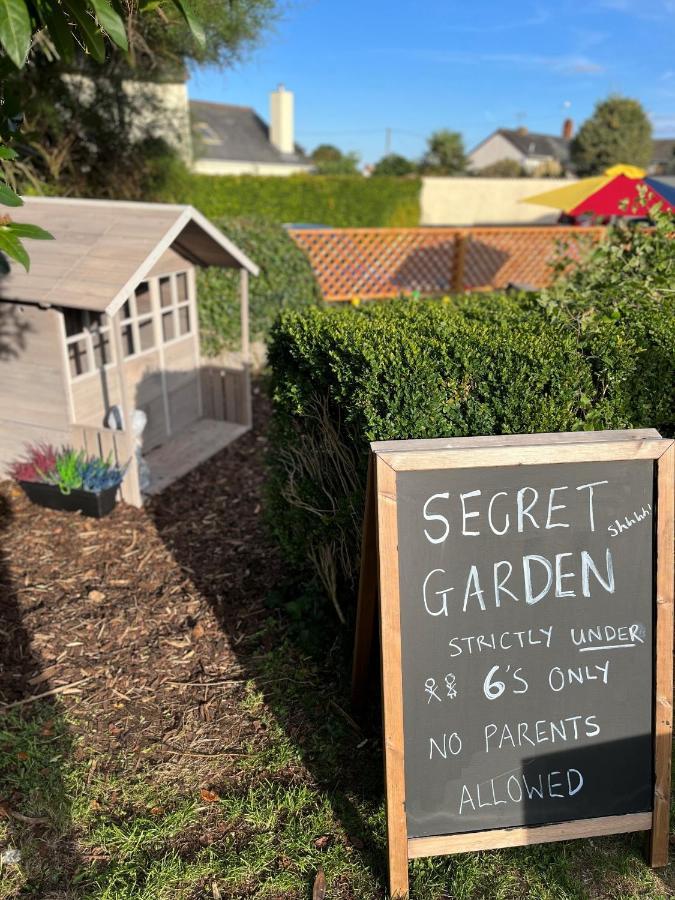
[522, 591]
[526, 604]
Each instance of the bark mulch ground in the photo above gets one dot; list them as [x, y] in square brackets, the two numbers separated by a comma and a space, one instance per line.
[140, 613]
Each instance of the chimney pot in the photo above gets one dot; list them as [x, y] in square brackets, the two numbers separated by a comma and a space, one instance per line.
[568, 129]
[281, 120]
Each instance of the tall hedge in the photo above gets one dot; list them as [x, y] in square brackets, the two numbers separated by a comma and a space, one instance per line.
[286, 280]
[488, 365]
[332, 200]
[343, 378]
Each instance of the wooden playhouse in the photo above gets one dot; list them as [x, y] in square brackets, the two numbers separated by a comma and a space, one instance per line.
[107, 317]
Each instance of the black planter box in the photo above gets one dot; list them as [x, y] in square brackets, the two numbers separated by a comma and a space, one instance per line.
[97, 504]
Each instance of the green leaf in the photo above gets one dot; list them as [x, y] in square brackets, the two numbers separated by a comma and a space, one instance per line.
[111, 23]
[20, 230]
[8, 153]
[15, 30]
[56, 22]
[92, 35]
[13, 247]
[8, 197]
[193, 23]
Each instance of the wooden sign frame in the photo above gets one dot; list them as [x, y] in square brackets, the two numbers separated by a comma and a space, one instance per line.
[379, 588]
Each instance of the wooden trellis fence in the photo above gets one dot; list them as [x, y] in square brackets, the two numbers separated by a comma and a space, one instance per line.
[375, 263]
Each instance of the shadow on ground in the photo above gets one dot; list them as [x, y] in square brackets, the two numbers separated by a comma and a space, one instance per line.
[35, 839]
[212, 523]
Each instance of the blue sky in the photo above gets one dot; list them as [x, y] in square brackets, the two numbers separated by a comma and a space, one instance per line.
[358, 68]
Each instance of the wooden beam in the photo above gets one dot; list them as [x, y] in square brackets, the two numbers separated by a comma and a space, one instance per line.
[663, 687]
[243, 304]
[132, 488]
[392, 684]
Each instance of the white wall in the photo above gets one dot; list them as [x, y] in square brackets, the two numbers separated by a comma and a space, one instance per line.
[492, 150]
[486, 201]
[234, 167]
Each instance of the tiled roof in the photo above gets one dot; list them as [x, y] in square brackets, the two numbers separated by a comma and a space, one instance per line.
[235, 133]
[532, 144]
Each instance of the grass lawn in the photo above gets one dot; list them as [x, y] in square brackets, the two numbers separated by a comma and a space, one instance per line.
[201, 744]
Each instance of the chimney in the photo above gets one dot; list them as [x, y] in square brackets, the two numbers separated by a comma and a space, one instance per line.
[568, 130]
[521, 130]
[281, 120]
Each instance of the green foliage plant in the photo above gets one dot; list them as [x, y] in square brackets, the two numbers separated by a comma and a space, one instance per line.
[619, 131]
[394, 164]
[335, 201]
[404, 369]
[444, 155]
[286, 281]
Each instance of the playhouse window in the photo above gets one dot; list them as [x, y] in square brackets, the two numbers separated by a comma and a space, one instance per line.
[175, 301]
[136, 320]
[87, 340]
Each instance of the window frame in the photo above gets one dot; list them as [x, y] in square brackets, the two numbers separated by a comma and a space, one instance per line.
[104, 327]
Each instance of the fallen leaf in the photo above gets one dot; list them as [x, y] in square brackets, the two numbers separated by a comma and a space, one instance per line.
[96, 596]
[208, 796]
[355, 842]
[22, 755]
[198, 631]
[94, 804]
[319, 890]
[322, 842]
[156, 811]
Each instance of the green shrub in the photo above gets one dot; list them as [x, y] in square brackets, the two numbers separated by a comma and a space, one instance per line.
[286, 280]
[332, 200]
[620, 303]
[343, 377]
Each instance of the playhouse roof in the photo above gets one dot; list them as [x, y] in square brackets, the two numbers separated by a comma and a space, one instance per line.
[102, 249]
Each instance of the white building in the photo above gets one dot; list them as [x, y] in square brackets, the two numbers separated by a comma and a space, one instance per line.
[235, 140]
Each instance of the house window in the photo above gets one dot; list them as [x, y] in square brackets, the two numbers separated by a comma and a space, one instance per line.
[87, 341]
[174, 297]
[136, 322]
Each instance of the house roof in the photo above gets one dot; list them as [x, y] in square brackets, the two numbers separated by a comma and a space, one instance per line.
[532, 144]
[663, 150]
[236, 133]
[103, 248]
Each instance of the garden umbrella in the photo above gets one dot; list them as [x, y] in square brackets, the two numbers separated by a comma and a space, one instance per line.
[617, 192]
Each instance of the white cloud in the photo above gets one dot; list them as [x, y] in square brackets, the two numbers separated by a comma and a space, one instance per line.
[565, 63]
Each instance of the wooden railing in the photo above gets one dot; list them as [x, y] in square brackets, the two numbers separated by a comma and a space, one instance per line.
[119, 445]
[226, 392]
[374, 263]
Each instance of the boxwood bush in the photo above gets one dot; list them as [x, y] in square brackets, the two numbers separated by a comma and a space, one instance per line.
[343, 377]
[595, 350]
[286, 280]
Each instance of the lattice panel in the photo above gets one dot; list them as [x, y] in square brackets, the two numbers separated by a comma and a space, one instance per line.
[496, 257]
[374, 263]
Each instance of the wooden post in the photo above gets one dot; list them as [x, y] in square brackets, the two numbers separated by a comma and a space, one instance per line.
[132, 488]
[243, 304]
[366, 607]
[392, 686]
[663, 688]
[458, 262]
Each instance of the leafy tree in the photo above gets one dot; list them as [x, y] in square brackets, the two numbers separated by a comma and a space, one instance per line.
[617, 132]
[502, 168]
[445, 154]
[394, 164]
[326, 153]
[91, 143]
[329, 160]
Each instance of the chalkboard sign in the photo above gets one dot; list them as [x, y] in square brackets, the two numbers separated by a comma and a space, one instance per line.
[525, 600]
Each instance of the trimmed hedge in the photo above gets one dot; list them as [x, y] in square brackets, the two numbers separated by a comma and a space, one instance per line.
[342, 378]
[286, 280]
[332, 200]
[478, 365]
